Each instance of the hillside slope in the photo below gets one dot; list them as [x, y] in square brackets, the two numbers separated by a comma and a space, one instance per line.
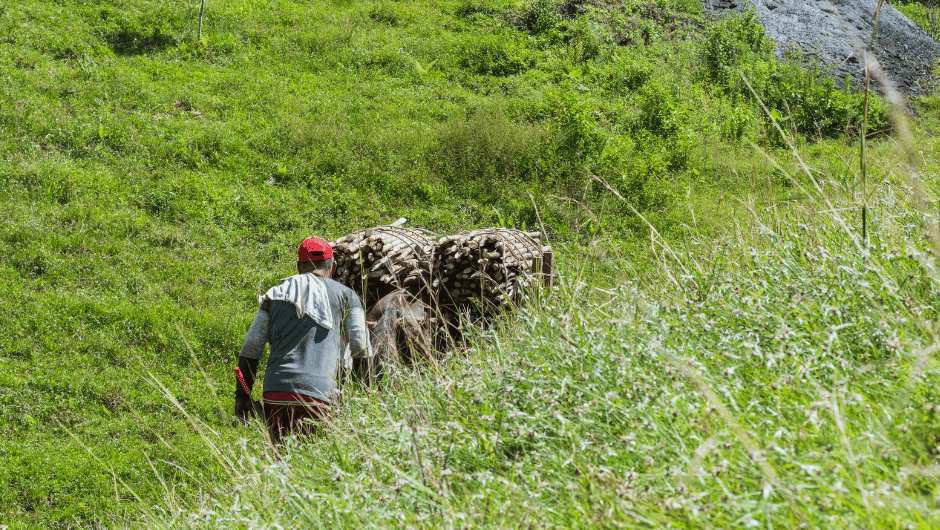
[152, 182]
[776, 377]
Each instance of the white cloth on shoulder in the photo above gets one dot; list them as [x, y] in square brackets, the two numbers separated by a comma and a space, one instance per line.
[308, 294]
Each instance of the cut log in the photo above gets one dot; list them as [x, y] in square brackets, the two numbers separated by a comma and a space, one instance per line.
[377, 261]
[488, 269]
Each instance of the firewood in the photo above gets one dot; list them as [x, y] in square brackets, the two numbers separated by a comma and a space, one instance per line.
[379, 260]
[489, 268]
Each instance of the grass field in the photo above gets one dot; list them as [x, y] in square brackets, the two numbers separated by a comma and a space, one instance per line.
[774, 377]
[742, 362]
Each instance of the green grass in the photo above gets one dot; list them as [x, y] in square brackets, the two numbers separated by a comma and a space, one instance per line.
[152, 183]
[776, 376]
[925, 13]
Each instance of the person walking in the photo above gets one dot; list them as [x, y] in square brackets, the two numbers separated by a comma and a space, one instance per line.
[307, 320]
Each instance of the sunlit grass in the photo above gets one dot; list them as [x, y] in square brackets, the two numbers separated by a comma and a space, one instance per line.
[774, 376]
[152, 183]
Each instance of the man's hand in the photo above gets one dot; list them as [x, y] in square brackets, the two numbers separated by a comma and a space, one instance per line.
[244, 380]
[244, 408]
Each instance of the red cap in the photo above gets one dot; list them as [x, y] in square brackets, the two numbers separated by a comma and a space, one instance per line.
[314, 249]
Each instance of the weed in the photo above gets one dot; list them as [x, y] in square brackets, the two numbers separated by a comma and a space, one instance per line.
[499, 54]
[925, 14]
[385, 15]
[539, 16]
[736, 49]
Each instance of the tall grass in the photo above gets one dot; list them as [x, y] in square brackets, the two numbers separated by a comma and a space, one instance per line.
[776, 376]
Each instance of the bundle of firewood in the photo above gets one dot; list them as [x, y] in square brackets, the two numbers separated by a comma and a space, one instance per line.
[490, 269]
[380, 260]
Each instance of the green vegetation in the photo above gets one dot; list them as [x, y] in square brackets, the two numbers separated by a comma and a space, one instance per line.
[925, 13]
[778, 375]
[152, 183]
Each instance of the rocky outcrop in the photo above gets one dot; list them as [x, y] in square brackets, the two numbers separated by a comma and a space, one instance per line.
[833, 33]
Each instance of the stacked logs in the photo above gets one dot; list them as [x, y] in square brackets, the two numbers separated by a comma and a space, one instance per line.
[489, 269]
[380, 260]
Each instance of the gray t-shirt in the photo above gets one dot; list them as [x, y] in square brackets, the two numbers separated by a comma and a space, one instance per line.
[306, 357]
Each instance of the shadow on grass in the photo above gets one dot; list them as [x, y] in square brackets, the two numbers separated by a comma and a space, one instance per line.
[129, 42]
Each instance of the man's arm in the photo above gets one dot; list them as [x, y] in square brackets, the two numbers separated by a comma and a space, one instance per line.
[357, 334]
[248, 357]
[356, 330]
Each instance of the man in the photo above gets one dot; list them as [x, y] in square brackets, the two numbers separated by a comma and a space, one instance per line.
[306, 320]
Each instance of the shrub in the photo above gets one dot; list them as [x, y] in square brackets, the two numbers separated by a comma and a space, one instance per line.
[809, 102]
[736, 53]
[472, 8]
[633, 168]
[924, 14]
[664, 124]
[583, 40]
[738, 120]
[487, 146]
[661, 110]
[496, 54]
[577, 137]
[634, 75]
[539, 16]
[384, 15]
[626, 73]
[731, 43]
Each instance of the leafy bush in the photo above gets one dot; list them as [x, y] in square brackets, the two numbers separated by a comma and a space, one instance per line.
[738, 121]
[539, 16]
[633, 168]
[735, 53]
[473, 8]
[496, 54]
[583, 39]
[925, 14]
[808, 102]
[664, 124]
[577, 138]
[625, 73]
[486, 147]
[731, 43]
[384, 14]
[662, 111]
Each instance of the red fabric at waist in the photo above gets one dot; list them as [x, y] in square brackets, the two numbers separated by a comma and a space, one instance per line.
[291, 396]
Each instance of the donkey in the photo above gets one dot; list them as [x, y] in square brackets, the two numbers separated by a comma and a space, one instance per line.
[402, 332]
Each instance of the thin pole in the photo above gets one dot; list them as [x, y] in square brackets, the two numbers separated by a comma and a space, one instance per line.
[862, 154]
[202, 11]
[864, 133]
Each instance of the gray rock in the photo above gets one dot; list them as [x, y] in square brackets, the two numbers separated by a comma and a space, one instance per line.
[834, 33]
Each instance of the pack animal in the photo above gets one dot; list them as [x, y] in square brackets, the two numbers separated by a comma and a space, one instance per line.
[401, 332]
